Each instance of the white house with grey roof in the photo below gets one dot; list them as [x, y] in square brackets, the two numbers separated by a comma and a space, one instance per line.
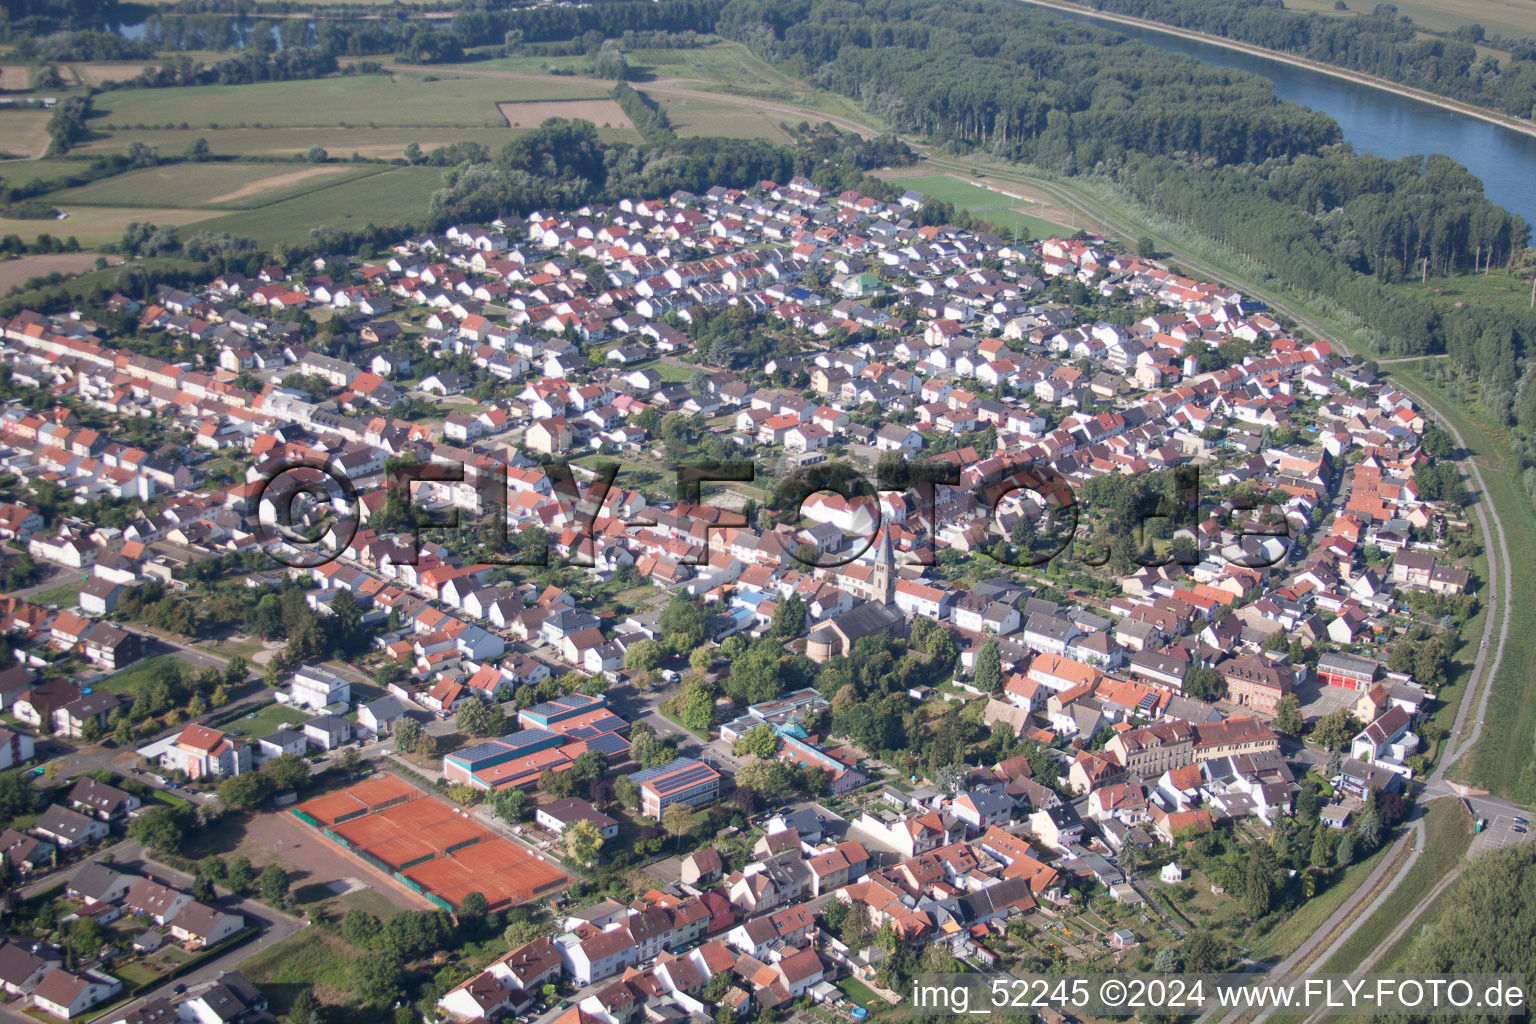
[98, 883]
[69, 829]
[328, 731]
[283, 741]
[317, 689]
[379, 717]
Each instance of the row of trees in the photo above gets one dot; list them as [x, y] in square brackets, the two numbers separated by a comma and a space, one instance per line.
[1382, 43]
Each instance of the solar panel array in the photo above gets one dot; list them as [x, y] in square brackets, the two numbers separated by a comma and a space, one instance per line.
[677, 774]
[527, 738]
[688, 777]
[608, 744]
[479, 750]
[647, 774]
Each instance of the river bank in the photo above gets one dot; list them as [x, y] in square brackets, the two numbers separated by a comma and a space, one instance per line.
[1493, 117]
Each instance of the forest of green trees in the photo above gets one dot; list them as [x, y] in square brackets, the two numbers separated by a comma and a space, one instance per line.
[562, 164]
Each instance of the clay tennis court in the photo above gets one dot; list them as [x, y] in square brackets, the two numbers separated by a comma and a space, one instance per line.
[323, 861]
[429, 844]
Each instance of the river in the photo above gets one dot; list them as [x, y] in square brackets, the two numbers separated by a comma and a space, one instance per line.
[1378, 121]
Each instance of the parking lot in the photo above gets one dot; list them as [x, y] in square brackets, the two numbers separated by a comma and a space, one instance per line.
[1500, 833]
[1318, 700]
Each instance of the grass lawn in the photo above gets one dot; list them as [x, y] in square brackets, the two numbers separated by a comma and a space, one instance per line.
[64, 597]
[231, 648]
[267, 721]
[170, 800]
[128, 680]
[720, 117]
[1448, 835]
[672, 373]
[1005, 212]
[730, 63]
[307, 958]
[679, 723]
[860, 993]
[135, 973]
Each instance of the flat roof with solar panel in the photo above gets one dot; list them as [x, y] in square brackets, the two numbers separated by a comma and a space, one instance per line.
[504, 748]
[678, 774]
[559, 708]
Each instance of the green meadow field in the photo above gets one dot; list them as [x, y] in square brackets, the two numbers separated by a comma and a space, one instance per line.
[229, 185]
[402, 100]
[1005, 212]
[720, 89]
[97, 225]
[397, 194]
[693, 116]
[373, 143]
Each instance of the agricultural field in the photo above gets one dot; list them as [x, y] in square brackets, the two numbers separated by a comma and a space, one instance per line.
[97, 225]
[1513, 18]
[23, 133]
[372, 143]
[720, 62]
[373, 116]
[22, 269]
[231, 185]
[97, 74]
[1007, 213]
[15, 77]
[532, 113]
[692, 115]
[405, 99]
[398, 194]
[24, 172]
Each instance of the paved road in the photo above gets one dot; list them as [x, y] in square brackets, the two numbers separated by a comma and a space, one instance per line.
[276, 926]
[61, 577]
[129, 856]
[637, 707]
[69, 871]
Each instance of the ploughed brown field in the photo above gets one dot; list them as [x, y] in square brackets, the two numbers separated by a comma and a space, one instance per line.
[603, 113]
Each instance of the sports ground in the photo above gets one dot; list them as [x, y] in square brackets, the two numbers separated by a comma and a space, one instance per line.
[428, 844]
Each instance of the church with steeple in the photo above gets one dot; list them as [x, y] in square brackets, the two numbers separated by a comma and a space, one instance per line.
[882, 580]
[878, 614]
